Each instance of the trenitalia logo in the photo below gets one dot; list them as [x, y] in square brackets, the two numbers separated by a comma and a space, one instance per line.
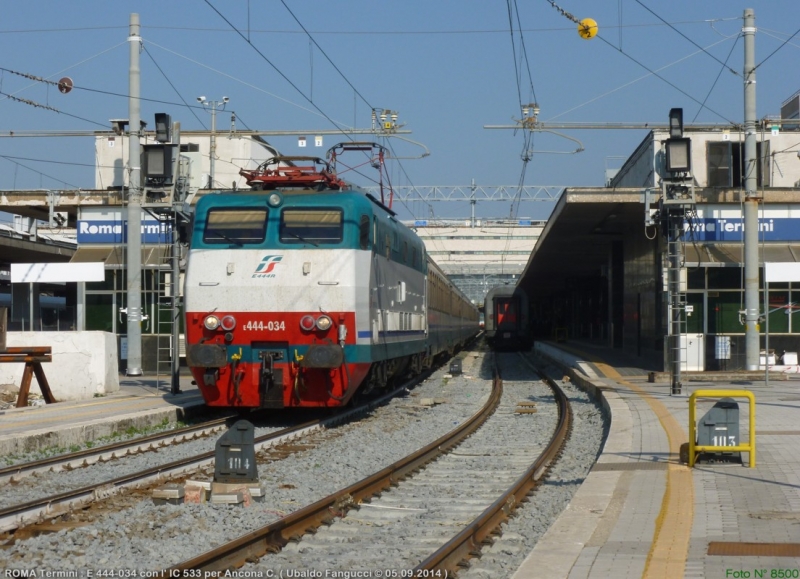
[268, 263]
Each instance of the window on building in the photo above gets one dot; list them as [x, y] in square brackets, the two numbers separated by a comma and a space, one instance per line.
[779, 310]
[723, 313]
[725, 163]
[725, 278]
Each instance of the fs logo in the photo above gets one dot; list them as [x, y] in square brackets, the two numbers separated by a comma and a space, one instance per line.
[266, 266]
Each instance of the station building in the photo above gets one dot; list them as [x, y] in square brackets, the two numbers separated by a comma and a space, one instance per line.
[91, 225]
[599, 270]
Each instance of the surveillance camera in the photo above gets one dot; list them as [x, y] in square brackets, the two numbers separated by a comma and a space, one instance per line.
[201, 99]
[225, 99]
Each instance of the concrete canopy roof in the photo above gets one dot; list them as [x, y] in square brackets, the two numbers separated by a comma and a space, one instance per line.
[577, 239]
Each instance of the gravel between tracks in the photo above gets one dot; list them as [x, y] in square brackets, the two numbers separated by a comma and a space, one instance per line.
[147, 537]
[531, 521]
[150, 537]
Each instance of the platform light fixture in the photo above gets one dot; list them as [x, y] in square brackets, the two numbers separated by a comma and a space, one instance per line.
[212, 106]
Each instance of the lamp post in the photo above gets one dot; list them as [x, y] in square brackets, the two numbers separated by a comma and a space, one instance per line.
[213, 106]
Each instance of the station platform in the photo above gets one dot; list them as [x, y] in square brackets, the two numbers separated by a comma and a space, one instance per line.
[140, 403]
[641, 512]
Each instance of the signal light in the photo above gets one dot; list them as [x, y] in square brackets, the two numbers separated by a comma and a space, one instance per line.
[163, 128]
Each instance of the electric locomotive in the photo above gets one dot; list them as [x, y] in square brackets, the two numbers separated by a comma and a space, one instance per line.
[306, 290]
[506, 318]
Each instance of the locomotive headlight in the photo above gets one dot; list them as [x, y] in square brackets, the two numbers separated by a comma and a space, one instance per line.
[274, 199]
[307, 323]
[228, 323]
[324, 323]
[211, 322]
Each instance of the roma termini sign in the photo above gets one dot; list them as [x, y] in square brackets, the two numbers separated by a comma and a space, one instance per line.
[110, 226]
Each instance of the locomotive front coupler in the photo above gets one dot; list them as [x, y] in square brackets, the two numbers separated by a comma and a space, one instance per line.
[267, 374]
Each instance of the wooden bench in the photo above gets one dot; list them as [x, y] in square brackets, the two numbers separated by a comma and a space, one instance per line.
[32, 357]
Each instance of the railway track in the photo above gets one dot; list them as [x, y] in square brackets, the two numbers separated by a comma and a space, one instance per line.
[36, 512]
[129, 531]
[90, 456]
[454, 500]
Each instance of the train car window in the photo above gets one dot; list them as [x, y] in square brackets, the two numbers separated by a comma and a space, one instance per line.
[405, 252]
[235, 226]
[312, 226]
[363, 232]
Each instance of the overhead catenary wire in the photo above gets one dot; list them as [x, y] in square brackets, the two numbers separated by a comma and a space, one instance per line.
[243, 82]
[571, 17]
[177, 92]
[356, 92]
[339, 32]
[91, 90]
[48, 108]
[527, 135]
[724, 64]
[40, 173]
[339, 126]
[275, 68]
[710, 90]
[673, 85]
[784, 43]
[632, 82]
[325, 54]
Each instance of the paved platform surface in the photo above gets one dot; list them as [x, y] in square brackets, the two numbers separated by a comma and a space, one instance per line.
[139, 403]
[643, 513]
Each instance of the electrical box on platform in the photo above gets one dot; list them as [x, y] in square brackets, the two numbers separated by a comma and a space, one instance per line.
[720, 427]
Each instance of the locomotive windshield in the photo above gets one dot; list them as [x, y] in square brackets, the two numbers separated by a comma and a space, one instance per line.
[237, 226]
[312, 226]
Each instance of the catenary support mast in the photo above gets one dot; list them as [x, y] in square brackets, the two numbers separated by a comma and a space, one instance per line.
[134, 230]
[752, 346]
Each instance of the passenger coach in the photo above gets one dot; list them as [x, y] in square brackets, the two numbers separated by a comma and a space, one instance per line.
[506, 318]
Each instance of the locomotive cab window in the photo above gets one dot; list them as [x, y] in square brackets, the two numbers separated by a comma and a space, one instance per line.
[235, 226]
[314, 226]
[363, 232]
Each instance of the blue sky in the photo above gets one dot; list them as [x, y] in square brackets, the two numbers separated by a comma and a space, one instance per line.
[449, 67]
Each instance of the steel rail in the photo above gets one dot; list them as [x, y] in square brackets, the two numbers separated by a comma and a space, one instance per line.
[12, 518]
[273, 537]
[57, 505]
[107, 452]
[452, 556]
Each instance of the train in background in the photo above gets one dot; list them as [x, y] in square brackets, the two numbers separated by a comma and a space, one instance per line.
[507, 318]
[306, 291]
